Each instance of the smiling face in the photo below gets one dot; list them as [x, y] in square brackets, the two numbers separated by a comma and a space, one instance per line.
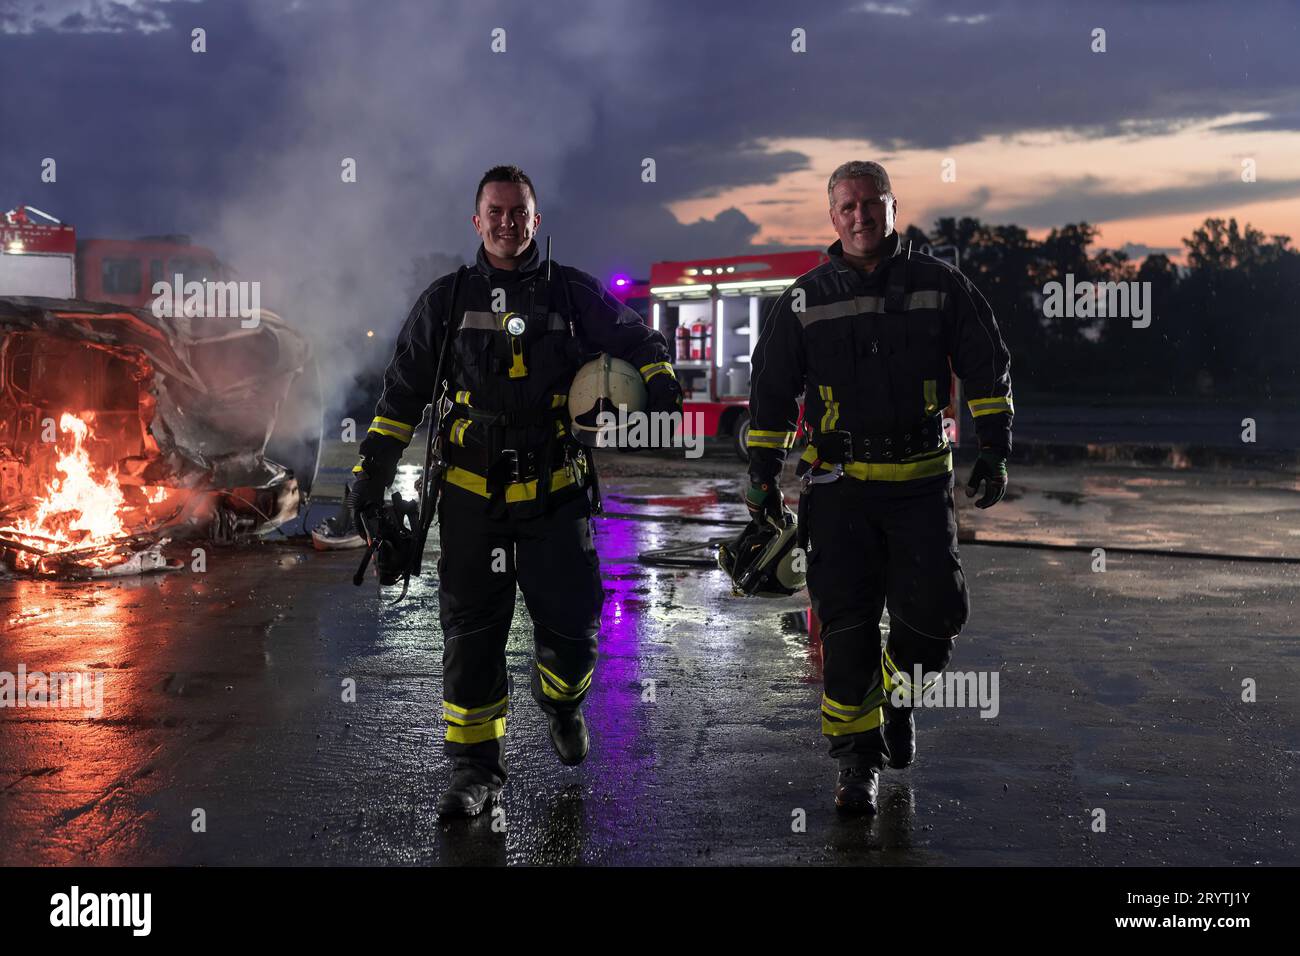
[863, 217]
[507, 219]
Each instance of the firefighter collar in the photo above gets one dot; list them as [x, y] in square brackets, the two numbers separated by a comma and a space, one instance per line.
[529, 263]
[836, 253]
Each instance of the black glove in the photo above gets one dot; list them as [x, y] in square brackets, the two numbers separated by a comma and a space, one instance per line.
[365, 497]
[663, 394]
[990, 468]
[763, 499]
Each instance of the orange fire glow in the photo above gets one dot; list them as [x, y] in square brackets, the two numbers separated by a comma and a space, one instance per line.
[81, 511]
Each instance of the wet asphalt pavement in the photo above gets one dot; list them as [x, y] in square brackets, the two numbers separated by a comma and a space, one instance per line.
[1119, 691]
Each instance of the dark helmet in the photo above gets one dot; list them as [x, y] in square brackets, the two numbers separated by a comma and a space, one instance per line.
[764, 560]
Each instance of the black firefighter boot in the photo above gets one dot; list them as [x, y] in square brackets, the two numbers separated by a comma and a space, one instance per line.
[900, 736]
[471, 789]
[569, 736]
[855, 790]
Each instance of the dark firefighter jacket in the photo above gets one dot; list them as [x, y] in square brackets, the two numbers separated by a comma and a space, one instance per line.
[509, 390]
[871, 354]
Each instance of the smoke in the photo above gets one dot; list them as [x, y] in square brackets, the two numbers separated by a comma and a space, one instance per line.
[415, 97]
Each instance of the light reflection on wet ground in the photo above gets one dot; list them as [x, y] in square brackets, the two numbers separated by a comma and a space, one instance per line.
[1121, 690]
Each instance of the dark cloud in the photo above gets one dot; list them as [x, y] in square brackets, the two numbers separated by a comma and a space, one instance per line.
[88, 16]
[1086, 199]
[242, 145]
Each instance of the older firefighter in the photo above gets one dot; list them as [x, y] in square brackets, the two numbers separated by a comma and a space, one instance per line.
[515, 506]
[868, 338]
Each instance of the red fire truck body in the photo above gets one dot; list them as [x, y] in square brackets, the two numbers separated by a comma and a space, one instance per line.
[37, 258]
[711, 310]
[124, 271]
[43, 257]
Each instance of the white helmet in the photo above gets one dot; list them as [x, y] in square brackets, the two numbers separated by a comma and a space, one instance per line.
[604, 387]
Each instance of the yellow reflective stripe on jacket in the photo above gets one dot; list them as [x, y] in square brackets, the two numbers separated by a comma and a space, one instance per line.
[559, 401]
[840, 719]
[656, 368]
[357, 469]
[989, 406]
[462, 397]
[938, 462]
[931, 396]
[515, 491]
[392, 428]
[832, 415]
[477, 733]
[457, 434]
[473, 715]
[763, 439]
[870, 304]
[556, 688]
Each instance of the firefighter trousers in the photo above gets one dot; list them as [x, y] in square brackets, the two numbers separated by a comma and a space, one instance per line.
[485, 553]
[866, 552]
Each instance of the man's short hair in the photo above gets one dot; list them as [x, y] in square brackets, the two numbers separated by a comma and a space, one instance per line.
[857, 169]
[504, 174]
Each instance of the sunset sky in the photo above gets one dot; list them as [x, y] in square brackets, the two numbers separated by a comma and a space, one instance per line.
[241, 145]
[1147, 191]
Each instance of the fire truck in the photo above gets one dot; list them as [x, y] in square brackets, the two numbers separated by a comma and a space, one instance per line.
[712, 310]
[41, 256]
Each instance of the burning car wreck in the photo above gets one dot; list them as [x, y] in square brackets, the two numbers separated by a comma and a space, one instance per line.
[121, 431]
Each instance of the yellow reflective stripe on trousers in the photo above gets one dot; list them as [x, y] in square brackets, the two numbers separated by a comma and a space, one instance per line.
[848, 719]
[515, 491]
[767, 439]
[938, 462]
[989, 406]
[557, 688]
[656, 368]
[472, 715]
[832, 415]
[477, 733]
[392, 428]
[894, 677]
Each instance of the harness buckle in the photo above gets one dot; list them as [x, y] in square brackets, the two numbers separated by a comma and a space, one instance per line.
[810, 477]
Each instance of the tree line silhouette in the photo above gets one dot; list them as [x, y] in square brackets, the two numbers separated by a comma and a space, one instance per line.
[1224, 324]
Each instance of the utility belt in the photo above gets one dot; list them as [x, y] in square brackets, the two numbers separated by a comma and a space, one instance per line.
[509, 418]
[844, 448]
[501, 466]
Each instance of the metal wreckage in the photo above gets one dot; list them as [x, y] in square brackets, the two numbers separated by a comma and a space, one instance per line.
[121, 431]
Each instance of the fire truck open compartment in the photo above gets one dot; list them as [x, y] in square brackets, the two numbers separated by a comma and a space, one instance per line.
[712, 311]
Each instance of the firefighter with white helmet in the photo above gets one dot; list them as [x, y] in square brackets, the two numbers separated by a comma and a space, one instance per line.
[514, 506]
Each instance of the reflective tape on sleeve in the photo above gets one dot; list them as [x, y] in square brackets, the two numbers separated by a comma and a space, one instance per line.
[989, 406]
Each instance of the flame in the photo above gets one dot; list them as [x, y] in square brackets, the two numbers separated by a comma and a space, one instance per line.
[80, 511]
